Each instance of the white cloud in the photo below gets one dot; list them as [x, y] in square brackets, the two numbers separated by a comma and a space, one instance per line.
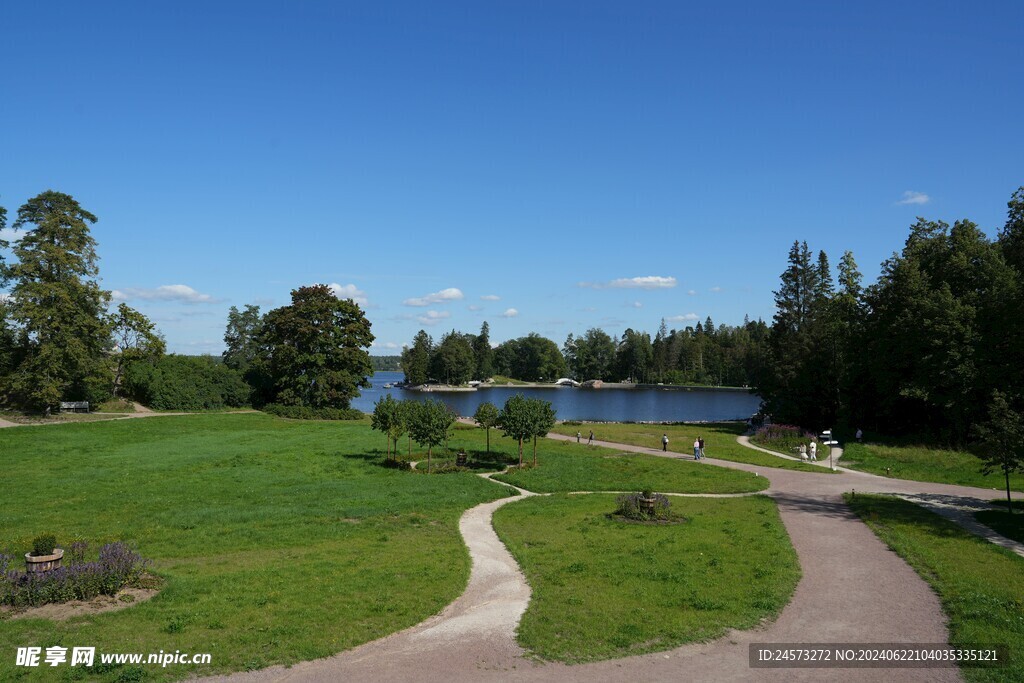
[637, 304]
[349, 292]
[10, 234]
[692, 292]
[716, 288]
[180, 293]
[475, 308]
[911, 197]
[444, 296]
[4, 296]
[490, 297]
[509, 313]
[433, 317]
[689, 317]
[646, 282]
[386, 345]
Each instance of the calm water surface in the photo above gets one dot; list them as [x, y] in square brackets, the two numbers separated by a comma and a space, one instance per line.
[604, 405]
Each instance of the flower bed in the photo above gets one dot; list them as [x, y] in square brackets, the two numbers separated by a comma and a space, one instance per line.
[117, 566]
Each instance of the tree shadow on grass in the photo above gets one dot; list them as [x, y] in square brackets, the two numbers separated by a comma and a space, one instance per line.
[882, 509]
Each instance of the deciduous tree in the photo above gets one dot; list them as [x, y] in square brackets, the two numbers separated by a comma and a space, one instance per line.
[1000, 442]
[135, 338]
[317, 349]
[429, 423]
[486, 417]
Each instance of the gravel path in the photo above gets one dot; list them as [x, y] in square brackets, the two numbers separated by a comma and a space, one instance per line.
[854, 589]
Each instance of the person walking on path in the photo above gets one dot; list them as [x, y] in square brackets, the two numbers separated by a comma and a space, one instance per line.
[700, 445]
[814, 450]
[803, 451]
[590, 439]
[664, 442]
[859, 435]
[578, 435]
[696, 449]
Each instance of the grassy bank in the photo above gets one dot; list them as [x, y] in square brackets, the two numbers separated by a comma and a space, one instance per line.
[978, 582]
[918, 463]
[719, 441]
[279, 540]
[603, 588]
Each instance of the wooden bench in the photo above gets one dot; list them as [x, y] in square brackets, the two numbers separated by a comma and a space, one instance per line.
[74, 406]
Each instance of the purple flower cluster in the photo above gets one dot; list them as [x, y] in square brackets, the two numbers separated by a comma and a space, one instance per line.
[781, 437]
[117, 566]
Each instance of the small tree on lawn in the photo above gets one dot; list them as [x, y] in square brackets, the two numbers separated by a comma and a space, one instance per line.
[486, 416]
[429, 425]
[542, 417]
[386, 413]
[1000, 442]
[406, 412]
[516, 421]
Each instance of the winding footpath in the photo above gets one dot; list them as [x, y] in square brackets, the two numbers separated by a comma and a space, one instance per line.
[853, 590]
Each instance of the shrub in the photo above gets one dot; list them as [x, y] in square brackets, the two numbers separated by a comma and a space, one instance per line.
[630, 506]
[185, 383]
[781, 437]
[43, 545]
[308, 413]
[117, 566]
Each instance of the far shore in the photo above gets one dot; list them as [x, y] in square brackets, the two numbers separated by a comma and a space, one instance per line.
[548, 385]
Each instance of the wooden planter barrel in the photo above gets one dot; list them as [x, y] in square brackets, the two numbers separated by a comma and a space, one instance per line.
[647, 506]
[43, 563]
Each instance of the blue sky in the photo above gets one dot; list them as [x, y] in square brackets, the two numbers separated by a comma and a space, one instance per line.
[544, 166]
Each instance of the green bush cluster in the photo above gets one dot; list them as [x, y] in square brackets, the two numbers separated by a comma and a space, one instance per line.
[186, 383]
[308, 413]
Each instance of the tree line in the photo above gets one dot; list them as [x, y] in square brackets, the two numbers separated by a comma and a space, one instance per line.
[929, 349]
[699, 354]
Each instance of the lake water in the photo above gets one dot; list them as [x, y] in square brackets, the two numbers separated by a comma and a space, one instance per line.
[599, 405]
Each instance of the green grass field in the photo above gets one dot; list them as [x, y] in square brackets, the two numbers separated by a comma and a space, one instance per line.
[918, 463]
[567, 466]
[719, 441]
[980, 584]
[603, 588]
[279, 540]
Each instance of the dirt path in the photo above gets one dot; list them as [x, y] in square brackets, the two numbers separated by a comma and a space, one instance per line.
[854, 589]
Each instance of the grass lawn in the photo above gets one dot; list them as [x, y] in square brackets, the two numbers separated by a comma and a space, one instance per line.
[567, 466]
[980, 584]
[1002, 522]
[918, 463]
[719, 441]
[278, 540]
[603, 588]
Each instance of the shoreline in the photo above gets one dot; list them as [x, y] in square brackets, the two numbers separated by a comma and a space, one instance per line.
[614, 386]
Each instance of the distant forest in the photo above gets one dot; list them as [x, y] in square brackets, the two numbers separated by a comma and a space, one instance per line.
[386, 363]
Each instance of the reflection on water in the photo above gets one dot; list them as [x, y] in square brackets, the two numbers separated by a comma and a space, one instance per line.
[605, 405]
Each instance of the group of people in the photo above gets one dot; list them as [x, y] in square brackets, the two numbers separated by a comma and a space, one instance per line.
[813, 450]
[698, 446]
